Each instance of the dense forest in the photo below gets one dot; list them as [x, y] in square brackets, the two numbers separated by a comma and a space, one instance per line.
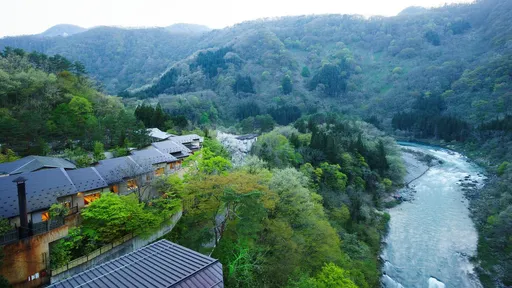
[440, 75]
[48, 105]
[301, 211]
[118, 58]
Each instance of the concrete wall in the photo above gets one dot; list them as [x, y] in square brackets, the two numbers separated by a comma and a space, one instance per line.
[118, 251]
[29, 256]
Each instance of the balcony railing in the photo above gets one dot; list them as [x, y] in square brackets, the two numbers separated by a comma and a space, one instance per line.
[10, 236]
[73, 210]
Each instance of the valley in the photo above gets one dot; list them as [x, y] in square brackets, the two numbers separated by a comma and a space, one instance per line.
[326, 187]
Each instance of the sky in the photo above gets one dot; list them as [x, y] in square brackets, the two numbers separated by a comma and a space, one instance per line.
[22, 17]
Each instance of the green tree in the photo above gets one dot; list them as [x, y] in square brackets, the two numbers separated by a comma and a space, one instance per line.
[113, 216]
[305, 72]
[287, 85]
[332, 276]
[98, 151]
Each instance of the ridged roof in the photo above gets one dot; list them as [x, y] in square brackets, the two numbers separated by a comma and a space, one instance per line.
[86, 179]
[169, 146]
[42, 187]
[159, 134]
[187, 138]
[34, 163]
[161, 264]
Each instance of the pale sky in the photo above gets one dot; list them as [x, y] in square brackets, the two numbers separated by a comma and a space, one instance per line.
[20, 17]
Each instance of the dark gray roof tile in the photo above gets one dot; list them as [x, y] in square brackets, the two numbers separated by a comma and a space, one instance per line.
[43, 188]
[161, 264]
[34, 163]
[170, 146]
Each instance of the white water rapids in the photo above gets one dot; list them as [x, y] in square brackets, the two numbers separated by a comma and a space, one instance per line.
[432, 237]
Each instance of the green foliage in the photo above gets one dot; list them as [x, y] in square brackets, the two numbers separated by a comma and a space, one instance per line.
[331, 276]
[433, 38]
[287, 85]
[79, 156]
[8, 156]
[333, 80]
[58, 210]
[98, 151]
[305, 72]
[113, 216]
[243, 84]
[153, 117]
[5, 226]
[501, 169]
[214, 165]
[43, 103]
[276, 150]
[260, 123]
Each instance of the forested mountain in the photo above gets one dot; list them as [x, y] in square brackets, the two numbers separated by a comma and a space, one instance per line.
[47, 104]
[442, 74]
[119, 58]
[186, 28]
[62, 30]
[371, 67]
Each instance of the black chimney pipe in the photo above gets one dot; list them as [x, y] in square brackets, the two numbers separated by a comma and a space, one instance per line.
[22, 202]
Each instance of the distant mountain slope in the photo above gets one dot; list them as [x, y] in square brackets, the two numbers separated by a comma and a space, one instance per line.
[185, 28]
[371, 67]
[62, 30]
[119, 58]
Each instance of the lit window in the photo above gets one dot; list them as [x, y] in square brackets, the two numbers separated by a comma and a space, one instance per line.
[159, 171]
[88, 199]
[132, 184]
[114, 189]
[45, 216]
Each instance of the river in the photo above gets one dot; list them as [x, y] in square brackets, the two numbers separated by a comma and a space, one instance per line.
[431, 237]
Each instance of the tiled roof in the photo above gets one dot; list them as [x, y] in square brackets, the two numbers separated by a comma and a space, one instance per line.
[151, 156]
[187, 138]
[116, 169]
[159, 134]
[42, 187]
[34, 163]
[86, 179]
[170, 146]
[161, 264]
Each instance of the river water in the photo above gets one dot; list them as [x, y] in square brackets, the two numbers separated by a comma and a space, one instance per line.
[432, 236]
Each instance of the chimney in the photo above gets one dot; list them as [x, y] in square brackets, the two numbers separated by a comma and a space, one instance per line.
[22, 202]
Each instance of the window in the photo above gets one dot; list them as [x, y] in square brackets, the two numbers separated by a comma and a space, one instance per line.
[88, 199]
[159, 171]
[67, 204]
[172, 165]
[131, 184]
[45, 216]
[114, 188]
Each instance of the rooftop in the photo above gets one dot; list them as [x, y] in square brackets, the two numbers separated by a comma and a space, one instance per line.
[161, 264]
[170, 146]
[41, 192]
[187, 138]
[159, 134]
[33, 163]
[86, 179]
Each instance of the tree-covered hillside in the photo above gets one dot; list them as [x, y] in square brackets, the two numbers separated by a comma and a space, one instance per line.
[372, 67]
[118, 58]
[47, 104]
